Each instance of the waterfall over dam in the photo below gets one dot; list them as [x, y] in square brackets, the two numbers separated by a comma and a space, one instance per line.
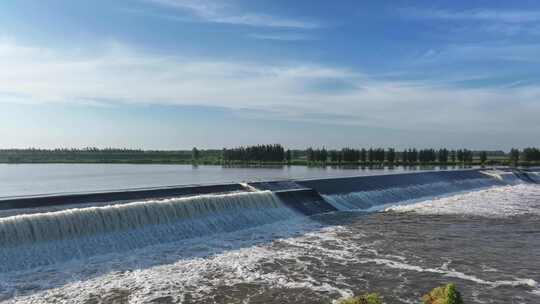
[36, 239]
[375, 199]
[135, 219]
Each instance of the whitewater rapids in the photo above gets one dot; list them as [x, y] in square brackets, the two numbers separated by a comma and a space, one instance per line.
[252, 248]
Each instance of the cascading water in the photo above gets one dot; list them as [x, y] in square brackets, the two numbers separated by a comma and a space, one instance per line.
[508, 177]
[171, 250]
[39, 239]
[366, 200]
[535, 176]
[30, 240]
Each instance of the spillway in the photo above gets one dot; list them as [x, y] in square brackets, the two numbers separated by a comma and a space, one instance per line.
[31, 240]
[372, 192]
[140, 218]
[375, 199]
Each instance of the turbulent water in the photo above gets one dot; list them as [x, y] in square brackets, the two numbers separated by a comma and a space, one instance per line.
[31, 240]
[377, 199]
[485, 240]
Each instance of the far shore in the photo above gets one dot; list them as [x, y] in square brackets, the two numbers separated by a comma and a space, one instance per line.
[278, 164]
[277, 155]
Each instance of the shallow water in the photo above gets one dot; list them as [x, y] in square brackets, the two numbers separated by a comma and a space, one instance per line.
[486, 241]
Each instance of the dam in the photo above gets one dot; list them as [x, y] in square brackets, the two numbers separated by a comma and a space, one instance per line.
[43, 231]
[124, 220]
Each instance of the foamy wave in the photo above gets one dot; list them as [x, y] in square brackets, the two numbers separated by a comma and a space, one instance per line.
[452, 273]
[198, 266]
[195, 267]
[375, 200]
[493, 202]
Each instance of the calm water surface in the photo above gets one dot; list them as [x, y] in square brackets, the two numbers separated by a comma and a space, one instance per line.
[34, 179]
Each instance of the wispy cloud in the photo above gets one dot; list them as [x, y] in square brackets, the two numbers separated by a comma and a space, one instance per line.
[485, 21]
[508, 16]
[295, 91]
[483, 52]
[282, 37]
[226, 13]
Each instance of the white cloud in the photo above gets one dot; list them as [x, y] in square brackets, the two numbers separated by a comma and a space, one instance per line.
[295, 91]
[222, 12]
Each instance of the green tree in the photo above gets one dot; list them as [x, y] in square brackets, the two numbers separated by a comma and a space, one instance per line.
[483, 157]
[404, 157]
[310, 155]
[288, 156]
[324, 155]
[195, 154]
[453, 156]
[413, 156]
[461, 156]
[334, 156]
[531, 154]
[391, 155]
[363, 155]
[514, 156]
[443, 156]
[370, 155]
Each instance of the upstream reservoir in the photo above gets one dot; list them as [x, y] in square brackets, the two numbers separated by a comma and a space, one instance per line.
[39, 179]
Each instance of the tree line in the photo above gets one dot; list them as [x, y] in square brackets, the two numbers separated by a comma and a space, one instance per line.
[274, 153]
[390, 155]
[527, 155]
[258, 153]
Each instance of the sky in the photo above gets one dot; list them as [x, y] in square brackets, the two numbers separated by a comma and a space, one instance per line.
[173, 74]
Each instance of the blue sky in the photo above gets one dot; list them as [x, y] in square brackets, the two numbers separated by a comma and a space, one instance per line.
[172, 74]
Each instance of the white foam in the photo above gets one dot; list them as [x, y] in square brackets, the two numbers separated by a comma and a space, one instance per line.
[374, 200]
[493, 202]
[197, 266]
[451, 273]
[33, 240]
[193, 269]
[506, 176]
